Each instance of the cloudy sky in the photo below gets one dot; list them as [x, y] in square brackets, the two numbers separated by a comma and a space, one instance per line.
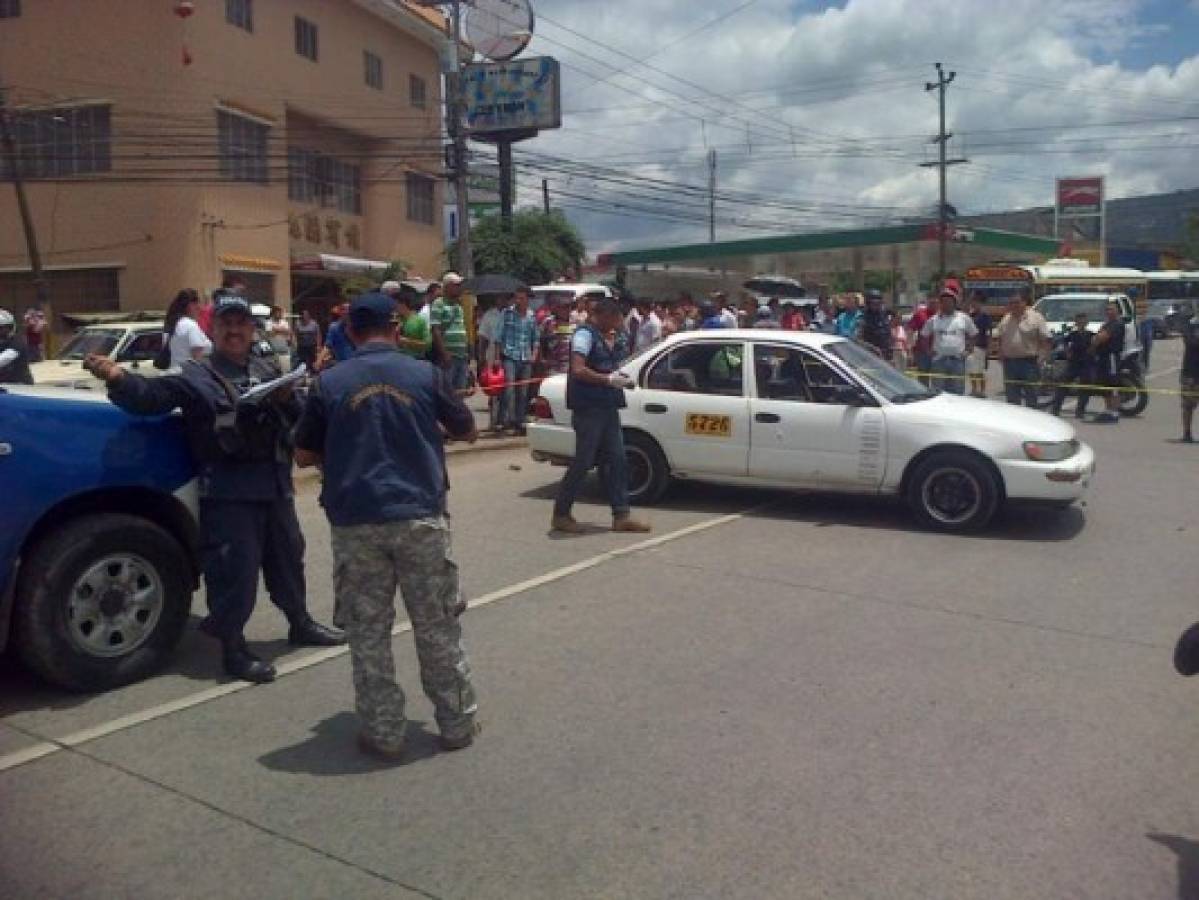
[819, 117]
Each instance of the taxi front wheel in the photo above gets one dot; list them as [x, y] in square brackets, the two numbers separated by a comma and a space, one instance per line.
[953, 490]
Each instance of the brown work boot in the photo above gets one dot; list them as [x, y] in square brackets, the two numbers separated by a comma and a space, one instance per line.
[566, 524]
[629, 524]
[392, 751]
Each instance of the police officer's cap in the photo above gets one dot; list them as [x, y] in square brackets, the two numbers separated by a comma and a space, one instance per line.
[229, 302]
[373, 310]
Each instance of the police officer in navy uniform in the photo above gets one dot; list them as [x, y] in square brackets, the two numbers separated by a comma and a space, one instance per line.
[243, 451]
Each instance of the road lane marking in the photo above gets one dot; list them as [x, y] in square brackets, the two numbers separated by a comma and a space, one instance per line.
[47, 747]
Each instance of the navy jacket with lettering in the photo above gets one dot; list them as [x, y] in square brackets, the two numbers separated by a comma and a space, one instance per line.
[374, 419]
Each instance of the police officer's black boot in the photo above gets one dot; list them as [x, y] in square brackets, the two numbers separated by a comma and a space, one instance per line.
[307, 632]
[241, 663]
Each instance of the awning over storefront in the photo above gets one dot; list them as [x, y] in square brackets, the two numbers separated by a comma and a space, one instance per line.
[237, 263]
[338, 265]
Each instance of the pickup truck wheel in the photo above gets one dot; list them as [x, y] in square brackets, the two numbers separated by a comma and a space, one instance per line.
[102, 601]
[953, 490]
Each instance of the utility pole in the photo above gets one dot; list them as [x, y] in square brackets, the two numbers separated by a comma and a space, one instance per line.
[942, 139]
[545, 195]
[506, 188]
[35, 256]
[712, 195]
[454, 108]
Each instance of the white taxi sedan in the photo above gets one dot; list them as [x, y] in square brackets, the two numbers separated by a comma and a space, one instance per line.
[801, 410]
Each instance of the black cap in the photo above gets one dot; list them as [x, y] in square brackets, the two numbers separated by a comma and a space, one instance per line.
[228, 302]
[373, 310]
[874, 294]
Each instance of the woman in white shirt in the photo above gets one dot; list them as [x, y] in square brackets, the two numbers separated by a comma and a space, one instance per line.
[184, 335]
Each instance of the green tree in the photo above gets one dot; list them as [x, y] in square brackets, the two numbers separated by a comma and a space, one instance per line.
[539, 247]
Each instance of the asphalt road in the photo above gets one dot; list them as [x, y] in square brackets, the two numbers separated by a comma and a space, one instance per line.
[776, 695]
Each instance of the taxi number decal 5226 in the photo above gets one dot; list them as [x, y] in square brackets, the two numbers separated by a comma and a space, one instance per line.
[711, 426]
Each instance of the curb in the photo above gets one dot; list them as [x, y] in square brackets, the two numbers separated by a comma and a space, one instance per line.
[457, 448]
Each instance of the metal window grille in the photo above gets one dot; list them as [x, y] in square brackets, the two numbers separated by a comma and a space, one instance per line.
[240, 13]
[417, 91]
[243, 148]
[374, 70]
[62, 141]
[306, 44]
[420, 199]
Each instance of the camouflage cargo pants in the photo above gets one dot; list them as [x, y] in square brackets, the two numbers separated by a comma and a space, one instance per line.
[369, 562]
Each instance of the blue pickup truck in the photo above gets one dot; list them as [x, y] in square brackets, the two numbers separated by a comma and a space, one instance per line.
[99, 545]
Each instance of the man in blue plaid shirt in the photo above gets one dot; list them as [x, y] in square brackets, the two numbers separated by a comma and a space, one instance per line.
[518, 352]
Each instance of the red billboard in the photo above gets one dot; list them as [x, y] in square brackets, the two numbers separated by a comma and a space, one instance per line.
[1080, 196]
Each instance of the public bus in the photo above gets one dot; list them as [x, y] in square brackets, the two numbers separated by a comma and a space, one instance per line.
[997, 283]
[1173, 300]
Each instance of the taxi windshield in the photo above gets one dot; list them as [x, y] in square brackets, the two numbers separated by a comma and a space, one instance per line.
[101, 341]
[888, 381]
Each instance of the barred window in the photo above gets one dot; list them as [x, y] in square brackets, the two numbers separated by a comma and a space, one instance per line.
[420, 198]
[301, 175]
[62, 141]
[315, 178]
[10, 9]
[243, 148]
[374, 70]
[240, 13]
[417, 91]
[305, 38]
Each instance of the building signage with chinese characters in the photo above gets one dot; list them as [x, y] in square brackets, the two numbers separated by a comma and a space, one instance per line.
[519, 95]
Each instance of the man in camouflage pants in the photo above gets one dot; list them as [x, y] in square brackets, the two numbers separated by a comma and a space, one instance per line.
[375, 422]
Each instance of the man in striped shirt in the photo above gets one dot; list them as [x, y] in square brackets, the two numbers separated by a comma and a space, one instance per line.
[449, 331]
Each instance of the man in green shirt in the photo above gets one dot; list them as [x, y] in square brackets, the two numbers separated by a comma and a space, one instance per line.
[449, 325]
[412, 335]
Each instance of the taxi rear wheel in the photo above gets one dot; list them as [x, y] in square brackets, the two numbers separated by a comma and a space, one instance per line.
[102, 601]
[953, 490]
[647, 469]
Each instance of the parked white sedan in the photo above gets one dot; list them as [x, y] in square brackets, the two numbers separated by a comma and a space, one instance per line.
[801, 410]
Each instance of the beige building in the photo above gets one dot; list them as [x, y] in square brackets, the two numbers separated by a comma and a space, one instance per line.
[289, 143]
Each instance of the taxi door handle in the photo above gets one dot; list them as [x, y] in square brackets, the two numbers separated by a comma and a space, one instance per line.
[655, 408]
[767, 418]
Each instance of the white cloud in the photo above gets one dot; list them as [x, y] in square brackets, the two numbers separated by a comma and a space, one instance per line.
[848, 82]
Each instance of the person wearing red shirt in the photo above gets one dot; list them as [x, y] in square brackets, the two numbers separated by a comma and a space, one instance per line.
[922, 347]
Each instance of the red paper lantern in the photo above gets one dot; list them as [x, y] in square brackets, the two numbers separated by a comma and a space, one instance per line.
[184, 8]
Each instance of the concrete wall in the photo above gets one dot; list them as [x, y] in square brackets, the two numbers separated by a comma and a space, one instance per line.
[165, 180]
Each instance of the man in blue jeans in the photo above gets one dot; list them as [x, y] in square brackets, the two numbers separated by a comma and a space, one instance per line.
[518, 344]
[595, 396]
